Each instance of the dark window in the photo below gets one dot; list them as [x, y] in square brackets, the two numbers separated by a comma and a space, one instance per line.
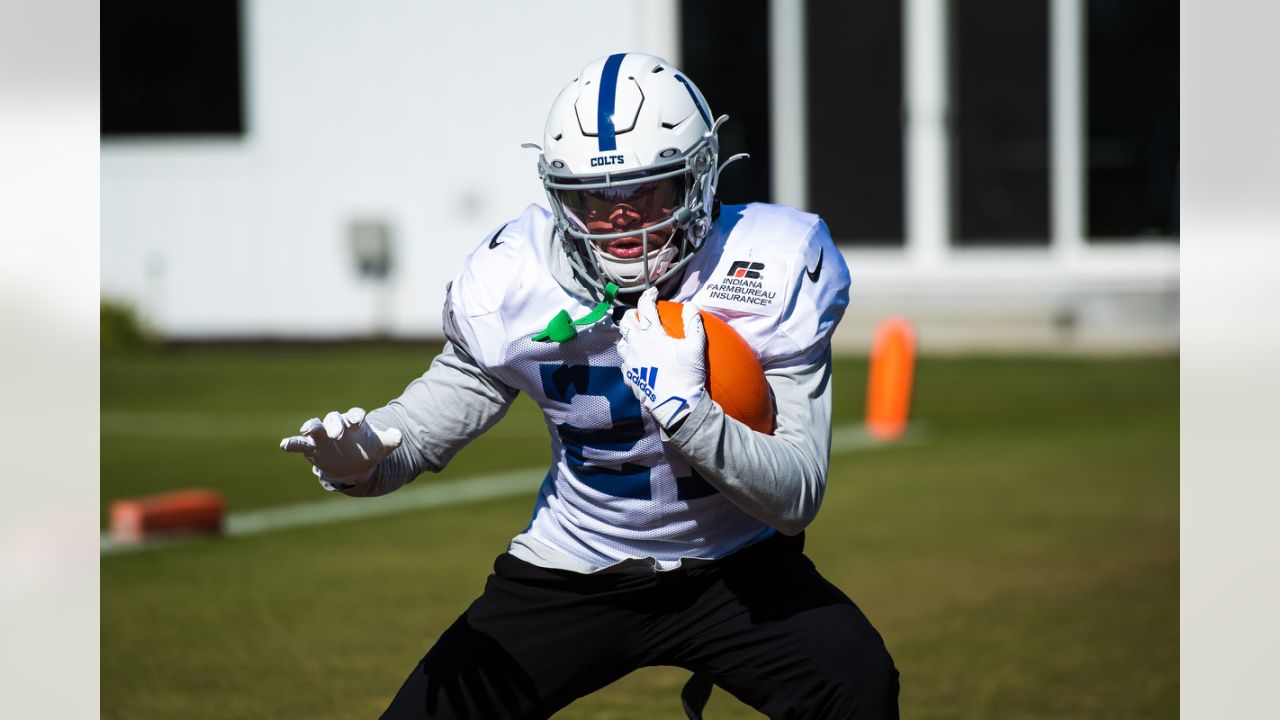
[855, 100]
[725, 51]
[1000, 114]
[1132, 118]
[171, 67]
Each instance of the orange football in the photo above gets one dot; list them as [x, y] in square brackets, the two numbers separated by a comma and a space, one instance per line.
[734, 376]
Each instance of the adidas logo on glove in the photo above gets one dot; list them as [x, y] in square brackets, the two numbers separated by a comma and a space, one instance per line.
[645, 379]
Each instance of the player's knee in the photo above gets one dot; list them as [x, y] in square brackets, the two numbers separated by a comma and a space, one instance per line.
[855, 680]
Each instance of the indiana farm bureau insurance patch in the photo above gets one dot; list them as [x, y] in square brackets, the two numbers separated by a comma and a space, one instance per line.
[744, 284]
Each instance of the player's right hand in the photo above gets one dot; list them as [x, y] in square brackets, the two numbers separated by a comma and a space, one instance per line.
[343, 446]
[649, 352]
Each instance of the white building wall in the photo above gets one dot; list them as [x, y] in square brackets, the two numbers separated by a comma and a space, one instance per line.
[404, 111]
[399, 110]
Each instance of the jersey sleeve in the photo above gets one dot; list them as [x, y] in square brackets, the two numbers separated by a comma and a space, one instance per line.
[438, 414]
[486, 302]
[778, 479]
[471, 319]
[814, 301]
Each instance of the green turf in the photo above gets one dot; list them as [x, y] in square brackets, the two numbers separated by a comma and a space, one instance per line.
[214, 418]
[1022, 562]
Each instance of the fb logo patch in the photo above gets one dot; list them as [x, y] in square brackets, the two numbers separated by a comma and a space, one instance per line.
[645, 379]
[745, 269]
[742, 288]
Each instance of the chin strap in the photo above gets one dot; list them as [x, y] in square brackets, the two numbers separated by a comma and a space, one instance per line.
[561, 329]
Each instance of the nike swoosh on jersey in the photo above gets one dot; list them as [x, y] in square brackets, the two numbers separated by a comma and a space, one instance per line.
[817, 270]
[493, 241]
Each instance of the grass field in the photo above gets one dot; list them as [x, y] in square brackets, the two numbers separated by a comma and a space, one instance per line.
[1022, 561]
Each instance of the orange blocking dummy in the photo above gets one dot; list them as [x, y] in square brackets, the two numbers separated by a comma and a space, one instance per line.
[893, 357]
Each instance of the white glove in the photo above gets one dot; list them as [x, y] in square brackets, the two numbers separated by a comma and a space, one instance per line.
[667, 375]
[343, 447]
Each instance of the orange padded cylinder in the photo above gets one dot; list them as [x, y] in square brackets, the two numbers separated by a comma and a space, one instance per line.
[177, 513]
[893, 358]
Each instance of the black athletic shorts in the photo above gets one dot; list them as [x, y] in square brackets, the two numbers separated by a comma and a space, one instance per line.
[761, 623]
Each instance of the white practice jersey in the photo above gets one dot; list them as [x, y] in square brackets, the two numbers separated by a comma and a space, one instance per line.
[615, 491]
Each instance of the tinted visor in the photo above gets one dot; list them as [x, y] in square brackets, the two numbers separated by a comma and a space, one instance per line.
[626, 207]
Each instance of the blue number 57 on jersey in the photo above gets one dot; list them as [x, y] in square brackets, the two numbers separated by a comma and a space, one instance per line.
[585, 448]
[630, 480]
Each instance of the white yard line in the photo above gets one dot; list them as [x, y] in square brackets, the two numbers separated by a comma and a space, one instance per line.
[852, 438]
[844, 439]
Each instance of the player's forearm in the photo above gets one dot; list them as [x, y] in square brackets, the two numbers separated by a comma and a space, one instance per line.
[780, 478]
[439, 413]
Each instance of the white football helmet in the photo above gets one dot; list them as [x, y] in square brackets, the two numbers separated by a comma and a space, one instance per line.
[630, 165]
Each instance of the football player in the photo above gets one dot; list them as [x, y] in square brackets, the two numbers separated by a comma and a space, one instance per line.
[664, 532]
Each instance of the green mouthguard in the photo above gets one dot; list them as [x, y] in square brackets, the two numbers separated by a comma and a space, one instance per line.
[561, 329]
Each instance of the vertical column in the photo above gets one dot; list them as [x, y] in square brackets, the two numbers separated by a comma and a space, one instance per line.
[1066, 107]
[925, 60]
[788, 112]
[660, 29]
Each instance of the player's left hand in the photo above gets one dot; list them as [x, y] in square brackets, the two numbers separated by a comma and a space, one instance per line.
[667, 375]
